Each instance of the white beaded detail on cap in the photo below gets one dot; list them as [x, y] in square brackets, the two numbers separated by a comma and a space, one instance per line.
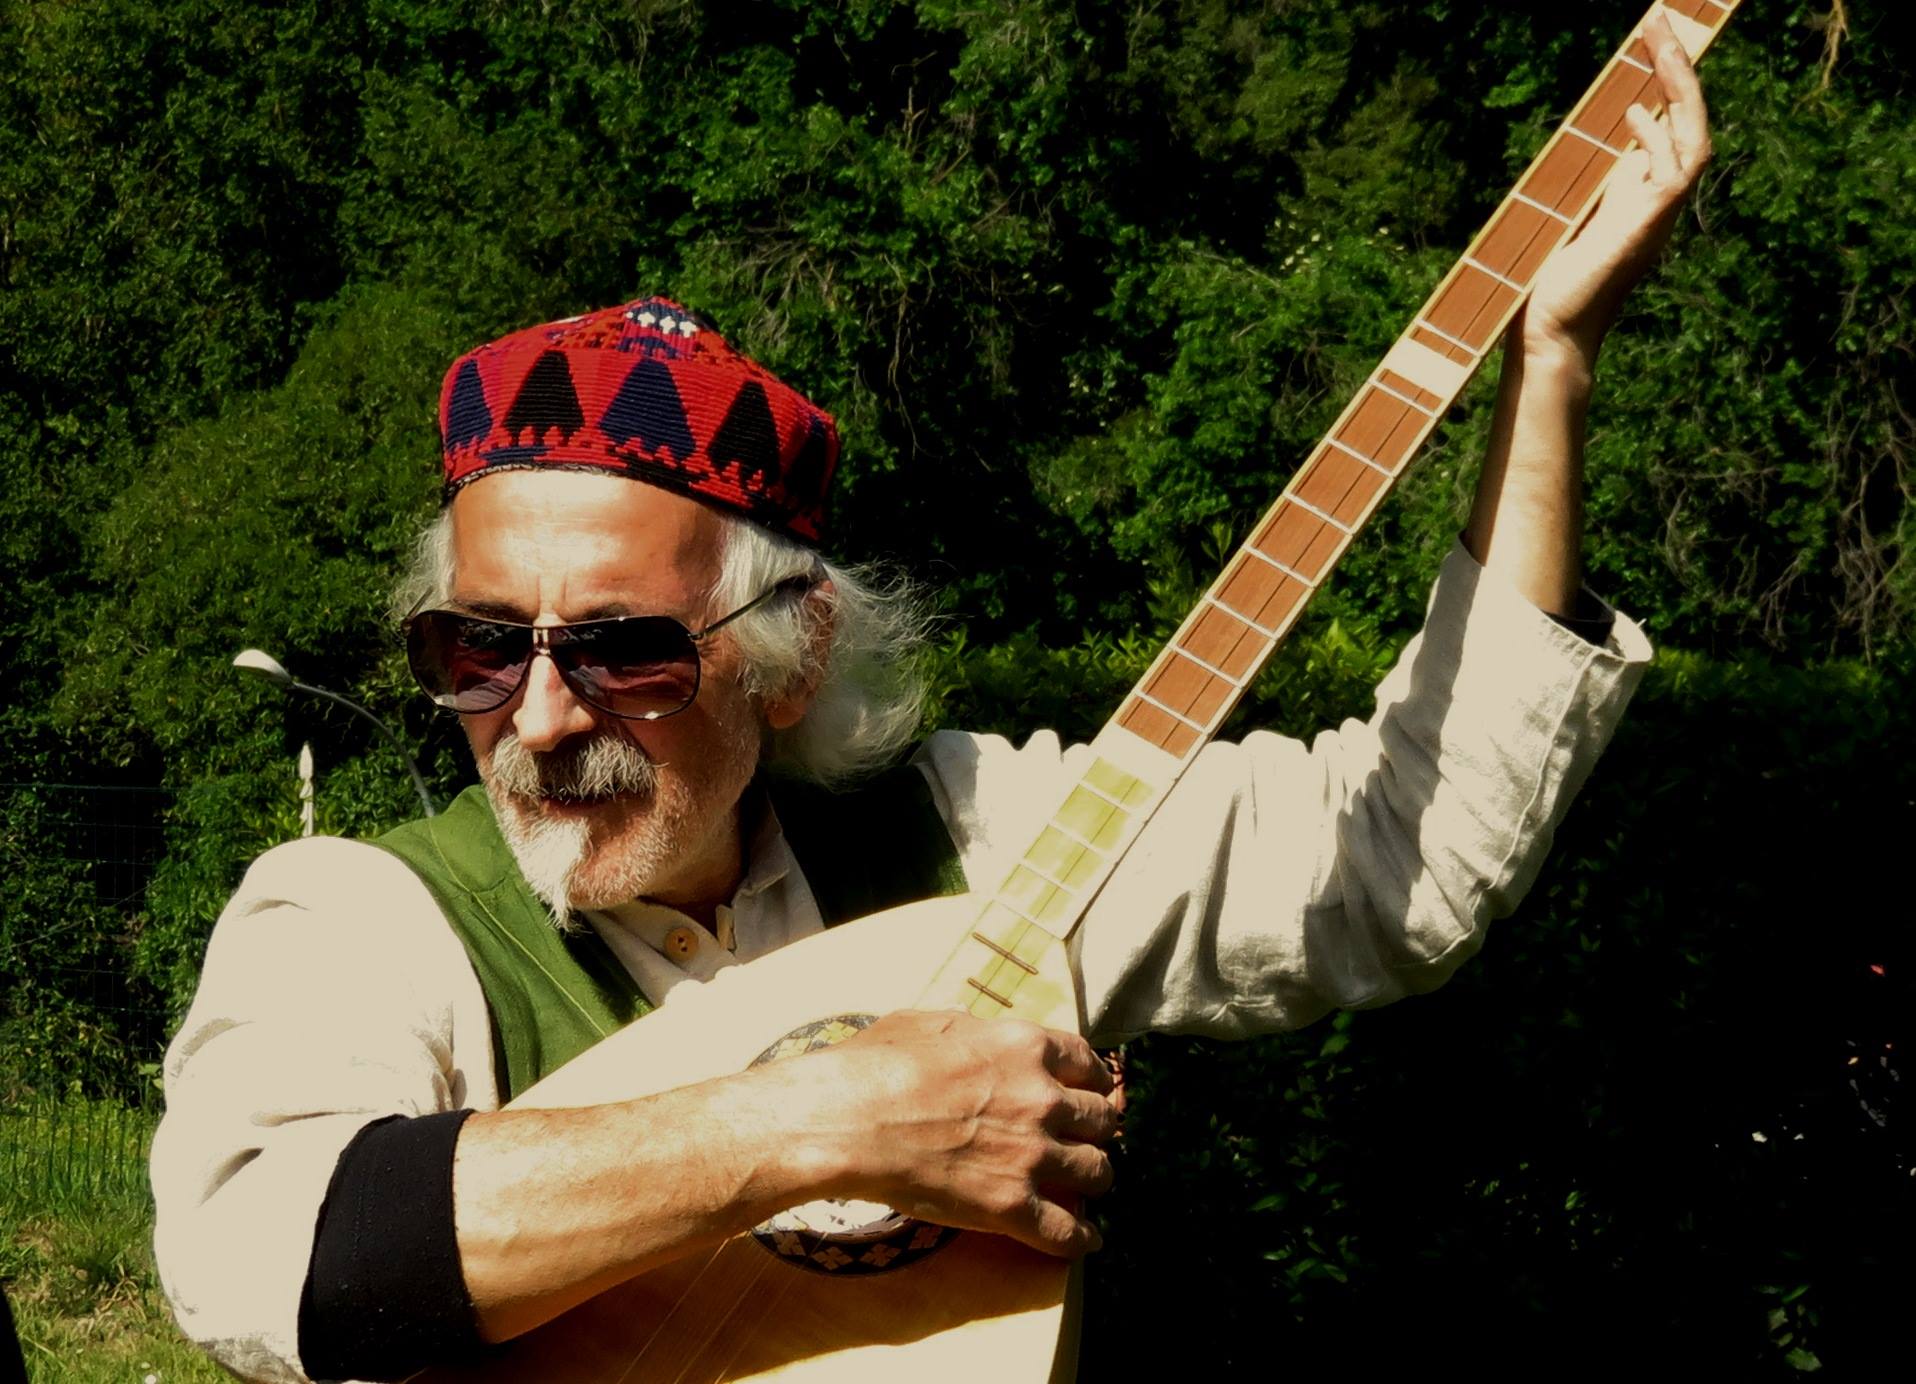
[684, 326]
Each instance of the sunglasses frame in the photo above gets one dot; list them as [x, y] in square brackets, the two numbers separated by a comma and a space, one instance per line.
[546, 638]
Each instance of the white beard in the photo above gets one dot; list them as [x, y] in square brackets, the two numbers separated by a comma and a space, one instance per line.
[549, 853]
[558, 862]
[552, 851]
[558, 856]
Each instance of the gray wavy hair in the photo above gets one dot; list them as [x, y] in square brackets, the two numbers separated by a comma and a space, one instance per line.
[870, 694]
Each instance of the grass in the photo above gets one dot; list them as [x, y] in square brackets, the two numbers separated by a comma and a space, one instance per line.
[76, 1234]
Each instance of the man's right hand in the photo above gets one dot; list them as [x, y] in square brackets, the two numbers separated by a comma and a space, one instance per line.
[994, 1125]
[987, 1125]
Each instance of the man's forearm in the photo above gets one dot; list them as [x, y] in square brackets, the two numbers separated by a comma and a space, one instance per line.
[994, 1126]
[1527, 521]
[553, 1206]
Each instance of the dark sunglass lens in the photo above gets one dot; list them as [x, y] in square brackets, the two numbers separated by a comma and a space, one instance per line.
[639, 667]
[464, 663]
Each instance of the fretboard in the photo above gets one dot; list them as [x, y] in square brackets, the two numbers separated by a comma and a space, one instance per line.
[1198, 677]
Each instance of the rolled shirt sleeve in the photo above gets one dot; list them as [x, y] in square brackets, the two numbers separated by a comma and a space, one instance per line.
[333, 995]
[1279, 880]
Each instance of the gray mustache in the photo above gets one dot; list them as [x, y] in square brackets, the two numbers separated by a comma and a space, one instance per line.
[601, 767]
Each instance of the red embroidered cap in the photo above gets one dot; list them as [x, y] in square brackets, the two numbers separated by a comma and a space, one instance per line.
[647, 390]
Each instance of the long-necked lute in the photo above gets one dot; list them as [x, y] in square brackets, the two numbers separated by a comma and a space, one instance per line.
[842, 1292]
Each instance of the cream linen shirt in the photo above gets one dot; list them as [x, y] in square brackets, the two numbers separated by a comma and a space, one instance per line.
[1277, 882]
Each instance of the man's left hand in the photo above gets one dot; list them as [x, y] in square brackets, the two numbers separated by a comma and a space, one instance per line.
[1581, 288]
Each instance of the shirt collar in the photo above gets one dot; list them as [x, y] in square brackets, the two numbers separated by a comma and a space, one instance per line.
[768, 859]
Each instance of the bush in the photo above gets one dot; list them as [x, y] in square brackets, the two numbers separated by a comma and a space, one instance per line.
[1658, 1118]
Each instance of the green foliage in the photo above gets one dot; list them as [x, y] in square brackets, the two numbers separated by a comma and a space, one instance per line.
[1317, 679]
[70, 1019]
[1078, 285]
[1658, 1118]
[1779, 469]
[1082, 284]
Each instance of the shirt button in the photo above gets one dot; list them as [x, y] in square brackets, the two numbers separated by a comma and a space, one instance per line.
[680, 943]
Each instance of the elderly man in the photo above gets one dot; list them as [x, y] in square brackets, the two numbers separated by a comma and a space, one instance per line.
[624, 601]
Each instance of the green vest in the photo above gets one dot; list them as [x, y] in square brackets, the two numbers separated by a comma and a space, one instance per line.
[552, 995]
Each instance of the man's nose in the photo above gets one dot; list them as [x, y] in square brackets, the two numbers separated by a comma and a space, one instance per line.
[549, 713]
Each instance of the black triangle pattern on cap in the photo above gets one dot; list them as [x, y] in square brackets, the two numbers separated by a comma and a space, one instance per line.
[468, 420]
[546, 400]
[748, 436]
[651, 391]
[648, 407]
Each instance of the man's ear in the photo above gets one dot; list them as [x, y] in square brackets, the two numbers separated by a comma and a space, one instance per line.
[789, 707]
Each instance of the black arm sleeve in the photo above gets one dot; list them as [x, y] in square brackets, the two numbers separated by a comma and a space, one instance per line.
[385, 1294]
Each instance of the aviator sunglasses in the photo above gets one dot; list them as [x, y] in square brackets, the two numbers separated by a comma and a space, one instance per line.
[639, 667]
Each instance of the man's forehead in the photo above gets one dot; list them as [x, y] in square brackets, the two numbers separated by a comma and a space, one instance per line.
[554, 542]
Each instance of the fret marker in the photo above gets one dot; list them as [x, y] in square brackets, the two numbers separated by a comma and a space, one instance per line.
[1535, 205]
[1356, 455]
[1590, 139]
[1460, 345]
[1020, 963]
[1014, 912]
[1098, 792]
[1068, 833]
[1295, 576]
[1027, 863]
[1310, 508]
[1126, 790]
[1241, 617]
[1383, 388]
[1483, 268]
[1142, 695]
[987, 991]
[1215, 672]
[1092, 818]
[1062, 858]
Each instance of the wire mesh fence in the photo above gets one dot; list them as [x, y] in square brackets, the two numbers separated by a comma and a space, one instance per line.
[64, 1153]
[80, 1032]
